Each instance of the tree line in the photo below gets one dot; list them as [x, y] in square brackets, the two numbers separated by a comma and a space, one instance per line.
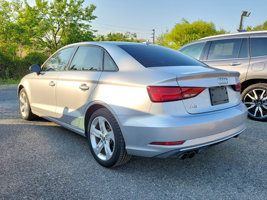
[30, 33]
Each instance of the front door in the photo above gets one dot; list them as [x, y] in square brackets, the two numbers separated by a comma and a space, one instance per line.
[43, 86]
[43, 93]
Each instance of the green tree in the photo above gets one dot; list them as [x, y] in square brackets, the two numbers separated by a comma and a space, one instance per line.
[8, 26]
[186, 32]
[258, 27]
[53, 24]
[126, 37]
[29, 33]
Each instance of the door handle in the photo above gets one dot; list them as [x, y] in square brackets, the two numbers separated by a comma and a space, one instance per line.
[84, 87]
[235, 63]
[52, 83]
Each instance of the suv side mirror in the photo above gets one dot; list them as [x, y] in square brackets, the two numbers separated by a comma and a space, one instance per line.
[36, 68]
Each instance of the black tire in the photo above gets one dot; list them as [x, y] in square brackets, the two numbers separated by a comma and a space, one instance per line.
[27, 115]
[257, 106]
[119, 155]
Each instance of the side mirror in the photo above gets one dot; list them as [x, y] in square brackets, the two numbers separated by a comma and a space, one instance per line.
[36, 68]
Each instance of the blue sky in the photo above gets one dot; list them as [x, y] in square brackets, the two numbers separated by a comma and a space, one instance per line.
[141, 16]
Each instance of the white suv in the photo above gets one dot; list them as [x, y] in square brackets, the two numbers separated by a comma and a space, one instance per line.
[244, 52]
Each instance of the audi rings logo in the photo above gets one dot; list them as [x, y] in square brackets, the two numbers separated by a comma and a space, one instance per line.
[222, 80]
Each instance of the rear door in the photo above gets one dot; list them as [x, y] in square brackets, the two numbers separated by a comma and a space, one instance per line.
[258, 61]
[76, 85]
[229, 54]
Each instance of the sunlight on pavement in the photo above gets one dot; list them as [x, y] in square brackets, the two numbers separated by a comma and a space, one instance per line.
[20, 122]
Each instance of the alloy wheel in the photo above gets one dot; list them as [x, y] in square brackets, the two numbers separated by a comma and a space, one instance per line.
[102, 138]
[256, 102]
[23, 104]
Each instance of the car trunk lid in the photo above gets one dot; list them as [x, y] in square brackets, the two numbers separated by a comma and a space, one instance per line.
[218, 94]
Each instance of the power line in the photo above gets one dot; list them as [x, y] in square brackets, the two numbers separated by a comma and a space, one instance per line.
[123, 27]
[145, 34]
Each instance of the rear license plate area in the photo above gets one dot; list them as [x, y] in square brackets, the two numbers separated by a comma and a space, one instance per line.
[218, 95]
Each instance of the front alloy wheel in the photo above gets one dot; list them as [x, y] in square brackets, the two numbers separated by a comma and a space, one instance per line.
[24, 106]
[255, 98]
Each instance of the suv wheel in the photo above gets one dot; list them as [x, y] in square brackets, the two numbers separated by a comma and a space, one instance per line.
[105, 139]
[255, 98]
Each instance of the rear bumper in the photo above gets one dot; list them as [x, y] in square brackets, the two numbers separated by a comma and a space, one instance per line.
[198, 131]
[197, 148]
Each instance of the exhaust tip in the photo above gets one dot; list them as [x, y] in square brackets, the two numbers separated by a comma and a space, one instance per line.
[192, 154]
[184, 156]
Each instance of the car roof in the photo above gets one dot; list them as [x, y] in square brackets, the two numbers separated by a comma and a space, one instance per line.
[238, 34]
[104, 43]
[228, 36]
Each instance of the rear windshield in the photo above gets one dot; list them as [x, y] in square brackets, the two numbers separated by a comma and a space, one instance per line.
[156, 56]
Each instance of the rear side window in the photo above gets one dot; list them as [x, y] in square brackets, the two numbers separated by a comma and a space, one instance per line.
[156, 56]
[224, 49]
[109, 64]
[258, 47]
[194, 50]
[59, 61]
[87, 58]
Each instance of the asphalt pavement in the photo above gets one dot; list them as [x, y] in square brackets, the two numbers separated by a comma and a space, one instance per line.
[41, 160]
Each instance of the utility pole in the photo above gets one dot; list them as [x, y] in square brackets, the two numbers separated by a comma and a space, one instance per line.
[243, 14]
[153, 35]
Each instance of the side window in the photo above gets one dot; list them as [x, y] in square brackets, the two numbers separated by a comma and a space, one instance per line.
[109, 64]
[59, 61]
[258, 47]
[194, 50]
[224, 49]
[87, 58]
[243, 53]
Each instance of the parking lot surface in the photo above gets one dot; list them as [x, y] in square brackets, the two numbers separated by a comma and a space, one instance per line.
[41, 160]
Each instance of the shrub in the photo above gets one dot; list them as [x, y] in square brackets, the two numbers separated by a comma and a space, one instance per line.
[34, 58]
[5, 69]
[15, 68]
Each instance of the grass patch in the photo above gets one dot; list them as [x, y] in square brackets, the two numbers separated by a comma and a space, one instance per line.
[9, 81]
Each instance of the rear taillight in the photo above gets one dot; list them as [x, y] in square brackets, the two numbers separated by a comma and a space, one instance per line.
[169, 93]
[237, 87]
[189, 92]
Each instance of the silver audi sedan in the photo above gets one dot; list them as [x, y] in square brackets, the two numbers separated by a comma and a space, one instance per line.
[134, 99]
